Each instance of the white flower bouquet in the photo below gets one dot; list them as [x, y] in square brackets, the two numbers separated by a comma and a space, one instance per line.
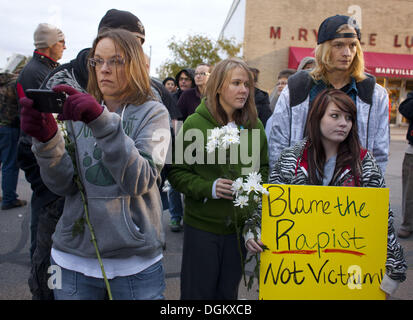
[248, 194]
[222, 138]
[247, 191]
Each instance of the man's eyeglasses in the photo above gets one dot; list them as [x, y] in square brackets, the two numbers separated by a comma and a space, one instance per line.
[202, 74]
[112, 62]
[184, 79]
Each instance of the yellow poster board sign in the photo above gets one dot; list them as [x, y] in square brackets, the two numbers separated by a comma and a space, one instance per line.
[324, 242]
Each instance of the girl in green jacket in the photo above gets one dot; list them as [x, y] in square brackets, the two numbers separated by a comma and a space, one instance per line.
[211, 261]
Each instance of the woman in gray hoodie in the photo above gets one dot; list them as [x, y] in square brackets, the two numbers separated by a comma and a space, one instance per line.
[120, 134]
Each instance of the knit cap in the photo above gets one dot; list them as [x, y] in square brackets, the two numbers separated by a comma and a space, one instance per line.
[46, 35]
[122, 20]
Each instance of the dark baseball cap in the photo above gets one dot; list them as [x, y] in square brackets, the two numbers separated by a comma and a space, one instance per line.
[328, 28]
[118, 19]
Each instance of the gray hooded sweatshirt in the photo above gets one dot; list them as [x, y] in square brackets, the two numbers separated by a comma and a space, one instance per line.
[119, 164]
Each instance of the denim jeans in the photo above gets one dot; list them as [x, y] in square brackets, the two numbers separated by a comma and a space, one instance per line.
[8, 157]
[148, 284]
[175, 204]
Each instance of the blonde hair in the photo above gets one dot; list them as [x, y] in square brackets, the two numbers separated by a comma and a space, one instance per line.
[138, 88]
[323, 62]
[247, 116]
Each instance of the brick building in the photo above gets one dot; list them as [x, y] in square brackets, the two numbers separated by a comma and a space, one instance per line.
[277, 34]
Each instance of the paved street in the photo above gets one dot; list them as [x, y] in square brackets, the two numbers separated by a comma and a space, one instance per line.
[15, 238]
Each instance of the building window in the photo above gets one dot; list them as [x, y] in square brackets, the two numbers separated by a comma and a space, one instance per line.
[393, 87]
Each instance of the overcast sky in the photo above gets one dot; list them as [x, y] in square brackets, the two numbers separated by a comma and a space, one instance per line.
[79, 20]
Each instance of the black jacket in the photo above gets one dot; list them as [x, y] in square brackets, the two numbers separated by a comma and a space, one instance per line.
[35, 71]
[31, 77]
[77, 67]
[167, 99]
[406, 109]
[262, 101]
[191, 74]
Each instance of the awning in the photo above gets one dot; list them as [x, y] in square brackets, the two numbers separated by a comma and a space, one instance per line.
[297, 54]
[389, 65]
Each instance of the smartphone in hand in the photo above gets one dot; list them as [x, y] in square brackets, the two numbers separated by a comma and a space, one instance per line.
[47, 101]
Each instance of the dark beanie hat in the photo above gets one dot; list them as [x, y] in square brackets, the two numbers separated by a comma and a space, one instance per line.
[328, 28]
[117, 19]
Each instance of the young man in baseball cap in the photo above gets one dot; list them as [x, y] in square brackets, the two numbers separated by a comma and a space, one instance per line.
[339, 64]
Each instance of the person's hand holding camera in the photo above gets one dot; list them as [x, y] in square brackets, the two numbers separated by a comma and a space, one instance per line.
[39, 125]
[78, 106]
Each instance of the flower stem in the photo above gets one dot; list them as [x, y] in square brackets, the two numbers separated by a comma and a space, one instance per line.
[93, 238]
[69, 145]
[238, 231]
[232, 175]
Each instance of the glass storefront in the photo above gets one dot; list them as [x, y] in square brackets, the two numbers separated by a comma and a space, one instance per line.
[397, 90]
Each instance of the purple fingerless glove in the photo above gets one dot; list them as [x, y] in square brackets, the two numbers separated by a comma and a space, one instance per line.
[78, 106]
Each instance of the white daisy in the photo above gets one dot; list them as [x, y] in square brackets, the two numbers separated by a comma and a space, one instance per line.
[252, 186]
[211, 145]
[228, 140]
[241, 201]
[254, 177]
[232, 131]
[215, 133]
[237, 186]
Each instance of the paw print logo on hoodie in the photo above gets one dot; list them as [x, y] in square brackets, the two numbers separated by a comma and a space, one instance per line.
[96, 173]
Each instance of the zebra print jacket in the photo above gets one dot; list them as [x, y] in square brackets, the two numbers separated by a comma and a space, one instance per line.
[290, 168]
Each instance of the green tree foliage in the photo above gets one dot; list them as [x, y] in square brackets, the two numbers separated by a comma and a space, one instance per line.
[194, 50]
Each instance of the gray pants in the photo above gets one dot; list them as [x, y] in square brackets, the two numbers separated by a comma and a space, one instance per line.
[407, 193]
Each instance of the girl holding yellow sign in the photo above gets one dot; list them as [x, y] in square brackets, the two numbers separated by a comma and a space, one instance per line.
[331, 155]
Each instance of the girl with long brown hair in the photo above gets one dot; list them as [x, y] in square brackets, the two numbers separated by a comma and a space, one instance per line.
[118, 162]
[341, 144]
[331, 155]
[211, 260]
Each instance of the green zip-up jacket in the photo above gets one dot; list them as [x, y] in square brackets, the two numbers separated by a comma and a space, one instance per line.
[194, 170]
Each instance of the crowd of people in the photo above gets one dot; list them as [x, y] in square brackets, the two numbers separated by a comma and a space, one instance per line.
[98, 174]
